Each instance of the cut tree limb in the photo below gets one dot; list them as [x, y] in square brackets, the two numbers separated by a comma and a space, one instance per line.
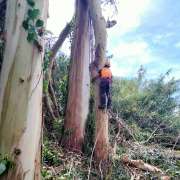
[53, 98]
[63, 35]
[48, 105]
[143, 166]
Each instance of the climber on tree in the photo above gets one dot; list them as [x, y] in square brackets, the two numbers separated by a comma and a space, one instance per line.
[105, 75]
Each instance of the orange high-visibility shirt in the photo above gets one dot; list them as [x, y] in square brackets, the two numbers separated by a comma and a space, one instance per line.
[105, 73]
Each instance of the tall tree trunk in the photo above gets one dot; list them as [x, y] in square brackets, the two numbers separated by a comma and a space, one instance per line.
[21, 94]
[79, 80]
[99, 24]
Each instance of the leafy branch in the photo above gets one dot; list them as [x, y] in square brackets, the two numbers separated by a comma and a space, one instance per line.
[33, 25]
[5, 164]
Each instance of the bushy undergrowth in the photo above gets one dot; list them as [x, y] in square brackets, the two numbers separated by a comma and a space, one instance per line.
[149, 105]
[59, 164]
[157, 156]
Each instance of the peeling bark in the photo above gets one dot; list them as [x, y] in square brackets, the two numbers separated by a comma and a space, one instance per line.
[78, 97]
[21, 93]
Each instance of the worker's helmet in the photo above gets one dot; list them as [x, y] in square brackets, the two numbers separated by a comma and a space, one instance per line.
[107, 63]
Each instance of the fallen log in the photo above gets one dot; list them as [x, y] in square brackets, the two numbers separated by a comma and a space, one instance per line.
[140, 164]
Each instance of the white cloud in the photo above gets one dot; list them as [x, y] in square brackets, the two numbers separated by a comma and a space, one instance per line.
[177, 45]
[162, 38]
[136, 51]
[130, 13]
[129, 17]
[162, 68]
[60, 13]
[130, 55]
[121, 71]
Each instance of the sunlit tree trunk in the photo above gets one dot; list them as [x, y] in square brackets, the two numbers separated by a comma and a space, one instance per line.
[99, 25]
[78, 97]
[21, 95]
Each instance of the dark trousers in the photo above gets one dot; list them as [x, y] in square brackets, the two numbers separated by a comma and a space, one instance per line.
[105, 93]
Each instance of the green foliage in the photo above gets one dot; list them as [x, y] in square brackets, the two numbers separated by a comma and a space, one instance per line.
[90, 129]
[50, 155]
[58, 127]
[120, 150]
[147, 104]
[118, 171]
[2, 168]
[26, 24]
[46, 174]
[45, 69]
[143, 104]
[63, 92]
[33, 14]
[31, 3]
[39, 23]
[139, 133]
[90, 126]
[5, 164]
[69, 165]
[46, 60]
[157, 157]
[68, 173]
[32, 35]
[60, 79]
[45, 86]
[32, 24]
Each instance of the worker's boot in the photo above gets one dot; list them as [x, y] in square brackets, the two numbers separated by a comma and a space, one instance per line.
[109, 107]
[109, 103]
[101, 107]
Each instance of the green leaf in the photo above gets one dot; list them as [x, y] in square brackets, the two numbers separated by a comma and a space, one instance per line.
[31, 3]
[2, 168]
[39, 23]
[33, 13]
[25, 24]
[31, 36]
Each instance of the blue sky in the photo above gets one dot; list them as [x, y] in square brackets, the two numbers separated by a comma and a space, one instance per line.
[147, 33]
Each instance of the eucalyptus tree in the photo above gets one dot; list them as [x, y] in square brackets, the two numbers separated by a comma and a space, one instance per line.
[21, 88]
[79, 80]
